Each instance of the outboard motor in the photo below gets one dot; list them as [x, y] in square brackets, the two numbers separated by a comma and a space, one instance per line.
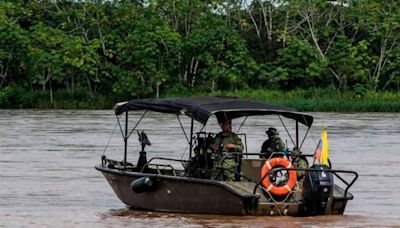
[317, 190]
[144, 141]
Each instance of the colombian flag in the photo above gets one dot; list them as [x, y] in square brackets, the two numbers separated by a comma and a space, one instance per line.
[321, 153]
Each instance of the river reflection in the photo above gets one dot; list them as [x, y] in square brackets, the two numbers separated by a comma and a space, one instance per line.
[157, 219]
[48, 180]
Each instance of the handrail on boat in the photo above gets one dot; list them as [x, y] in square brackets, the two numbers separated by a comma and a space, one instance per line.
[158, 169]
[162, 158]
[167, 159]
[121, 164]
[344, 181]
[334, 171]
[105, 160]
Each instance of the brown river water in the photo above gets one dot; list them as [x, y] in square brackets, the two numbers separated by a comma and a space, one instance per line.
[48, 179]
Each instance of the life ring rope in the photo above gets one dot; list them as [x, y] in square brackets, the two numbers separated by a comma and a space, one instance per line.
[266, 182]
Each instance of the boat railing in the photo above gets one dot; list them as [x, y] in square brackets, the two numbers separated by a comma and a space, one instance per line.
[114, 163]
[157, 166]
[333, 171]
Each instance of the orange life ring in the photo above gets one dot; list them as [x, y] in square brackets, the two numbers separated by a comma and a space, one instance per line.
[266, 182]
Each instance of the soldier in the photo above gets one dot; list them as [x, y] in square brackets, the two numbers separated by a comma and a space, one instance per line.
[299, 161]
[226, 141]
[272, 144]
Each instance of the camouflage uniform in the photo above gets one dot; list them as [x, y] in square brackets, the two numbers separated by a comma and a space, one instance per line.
[229, 163]
[272, 144]
[299, 162]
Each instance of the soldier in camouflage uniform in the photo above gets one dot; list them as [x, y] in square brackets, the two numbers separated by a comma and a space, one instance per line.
[224, 142]
[299, 161]
[272, 144]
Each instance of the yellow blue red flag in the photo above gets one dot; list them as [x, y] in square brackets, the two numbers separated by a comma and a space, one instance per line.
[321, 153]
[324, 152]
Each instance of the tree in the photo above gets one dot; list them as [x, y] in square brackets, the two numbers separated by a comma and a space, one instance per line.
[296, 66]
[13, 40]
[379, 20]
[148, 53]
[218, 56]
[44, 56]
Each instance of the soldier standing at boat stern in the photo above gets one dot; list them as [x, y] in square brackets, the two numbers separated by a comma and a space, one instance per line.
[272, 144]
[226, 141]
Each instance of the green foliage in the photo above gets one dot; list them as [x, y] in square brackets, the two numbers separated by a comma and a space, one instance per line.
[103, 51]
[148, 54]
[15, 97]
[320, 99]
[13, 41]
[221, 54]
[359, 91]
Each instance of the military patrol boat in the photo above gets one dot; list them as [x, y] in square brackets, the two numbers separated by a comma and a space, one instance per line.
[262, 186]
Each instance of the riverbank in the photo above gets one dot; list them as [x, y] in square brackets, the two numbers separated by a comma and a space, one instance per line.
[322, 100]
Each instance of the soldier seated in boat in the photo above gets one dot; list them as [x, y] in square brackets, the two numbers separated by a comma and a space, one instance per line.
[299, 161]
[272, 144]
[224, 142]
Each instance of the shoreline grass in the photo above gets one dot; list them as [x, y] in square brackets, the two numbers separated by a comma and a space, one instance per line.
[324, 100]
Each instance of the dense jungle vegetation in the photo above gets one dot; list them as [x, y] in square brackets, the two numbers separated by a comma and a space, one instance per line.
[308, 54]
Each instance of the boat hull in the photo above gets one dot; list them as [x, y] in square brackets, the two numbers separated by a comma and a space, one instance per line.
[202, 196]
[179, 194]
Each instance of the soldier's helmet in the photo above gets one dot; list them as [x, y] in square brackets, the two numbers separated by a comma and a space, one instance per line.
[296, 152]
[272, 131]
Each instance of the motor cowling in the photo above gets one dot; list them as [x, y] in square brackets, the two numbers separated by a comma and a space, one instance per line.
[143, 184]
[317, 190]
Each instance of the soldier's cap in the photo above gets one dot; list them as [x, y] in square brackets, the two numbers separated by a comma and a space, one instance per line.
[271, 131]
[296, 151]
[220, 122]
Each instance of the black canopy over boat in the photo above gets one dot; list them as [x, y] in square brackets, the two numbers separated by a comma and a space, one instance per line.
[261, 186]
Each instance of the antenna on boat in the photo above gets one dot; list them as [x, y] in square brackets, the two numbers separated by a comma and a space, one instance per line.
[144, 141]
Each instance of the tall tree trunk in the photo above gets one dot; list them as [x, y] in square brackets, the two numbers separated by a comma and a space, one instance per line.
[158, 89]
[89, 85]
[383, 58]
[51, 92]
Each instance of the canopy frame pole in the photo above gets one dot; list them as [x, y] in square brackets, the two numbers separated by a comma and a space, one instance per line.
[241, 125]
[183, 129]
[191, 143]
[134, 127]
[120, 127]
[126, 139]
[287, 131]
[301, 145]
[297, 134]
[138, 122]
[245, 138]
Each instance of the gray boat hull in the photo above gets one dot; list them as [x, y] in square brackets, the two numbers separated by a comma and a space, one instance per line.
[201, 196]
